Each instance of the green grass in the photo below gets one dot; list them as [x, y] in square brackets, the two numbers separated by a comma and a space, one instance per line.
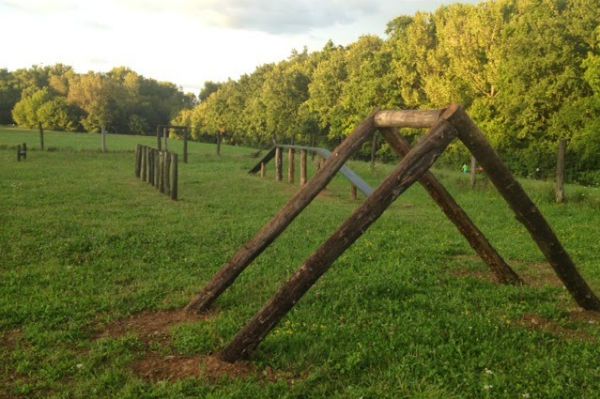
[84, 243]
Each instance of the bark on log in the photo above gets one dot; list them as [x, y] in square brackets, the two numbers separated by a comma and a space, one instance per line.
[248, 252]
[416, 162]
[560, 171]
[526, 211]
[408, 118]
[502, 271]
[303, 167]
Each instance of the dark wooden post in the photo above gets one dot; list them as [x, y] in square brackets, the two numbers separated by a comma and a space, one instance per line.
[373, 151]
[263, 169]
[526, 211]
[41, 128]
[19, 153]
[416, 162]
[167, 174]
[560, 171]
[185, 145]
[156, 168]
[138, 160]
[24, 151]
[502, 271]
[473, 172]
[303, 167]
[174, 177]
[291, 166]
[353, 192]
[249, 251]
[161, 171]
[158, 138]
[144, 165]
[103, 133]
[278, 164]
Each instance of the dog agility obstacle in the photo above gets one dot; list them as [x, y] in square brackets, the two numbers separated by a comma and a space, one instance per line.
[445, 126]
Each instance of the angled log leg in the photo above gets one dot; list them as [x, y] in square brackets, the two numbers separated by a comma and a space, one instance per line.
[247, 253]
[410, 169]
[526, 211]
[502, 271]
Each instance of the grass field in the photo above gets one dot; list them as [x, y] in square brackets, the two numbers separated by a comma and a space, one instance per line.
[408, 311]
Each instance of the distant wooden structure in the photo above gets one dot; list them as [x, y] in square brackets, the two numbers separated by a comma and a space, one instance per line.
[162, 135]
[445, 125]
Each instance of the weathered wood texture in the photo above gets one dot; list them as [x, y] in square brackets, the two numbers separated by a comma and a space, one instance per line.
[502, 271]
[526, 211]
[263, 169]
[185, 146]
[416, 162]
[303, 167]
[138, 160]
[248, 252]
[161, 171]
[144, 171]
[560, 171]
[167, 173]
[278, 164]
[353, 192]
[408, 118]
[156, 168]
[291, 165]
[174, 178]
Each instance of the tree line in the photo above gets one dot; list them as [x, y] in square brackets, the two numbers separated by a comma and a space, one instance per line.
[528, 72]
[57, 98]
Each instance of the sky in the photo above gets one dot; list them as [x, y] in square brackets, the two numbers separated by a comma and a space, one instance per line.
[186, 42]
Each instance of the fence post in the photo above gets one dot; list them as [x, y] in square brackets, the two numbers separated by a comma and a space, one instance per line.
[354, 193]
[156, 168]
[138, 160]
[174, 177]
[291, 165]
[263, 169]
[24, 151]
[161, 171]
[158, 138]
[19, 153]
[167, 172]
[166, 136]
[278, 164]
[144, 163]
[302, 167]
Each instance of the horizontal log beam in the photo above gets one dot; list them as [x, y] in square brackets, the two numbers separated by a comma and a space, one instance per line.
[408, 118]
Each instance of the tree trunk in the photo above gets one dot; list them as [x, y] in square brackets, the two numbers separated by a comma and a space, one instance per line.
[560, 172]
[41, 128]
[219, 144]
[417, 161]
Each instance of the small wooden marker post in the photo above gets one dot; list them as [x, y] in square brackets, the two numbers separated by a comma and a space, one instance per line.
[167, 172]
[174, 178]
[278, 164]
[354, 193]
[138, 160]
[303, 174]
[291, 166]
[19, 153]
[156, 168]
[263, 169]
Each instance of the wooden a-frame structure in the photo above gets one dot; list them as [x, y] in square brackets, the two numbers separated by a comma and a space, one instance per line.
[445, 126]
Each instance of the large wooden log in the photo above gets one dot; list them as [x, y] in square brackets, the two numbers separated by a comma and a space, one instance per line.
[502, 271]
[408, 118]
[248, 252]
[416, 162]
[526, 211]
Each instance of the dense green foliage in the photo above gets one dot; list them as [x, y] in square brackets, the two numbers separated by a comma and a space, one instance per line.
[403, 314]
[528, 71]
[58, 98]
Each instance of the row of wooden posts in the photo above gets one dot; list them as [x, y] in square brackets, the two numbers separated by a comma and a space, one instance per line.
[159, 168]
[21, 152]
[292, 168]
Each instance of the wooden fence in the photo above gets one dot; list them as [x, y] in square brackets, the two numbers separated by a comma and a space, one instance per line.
[158, 168]
[21, 152]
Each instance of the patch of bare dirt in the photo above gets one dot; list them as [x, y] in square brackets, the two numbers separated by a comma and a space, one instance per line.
[585, 316]
[10, 339]
[156, 368]
[151, 326]
[535, 322]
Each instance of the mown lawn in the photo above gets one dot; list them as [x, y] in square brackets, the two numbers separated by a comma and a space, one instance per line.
[408, 311]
